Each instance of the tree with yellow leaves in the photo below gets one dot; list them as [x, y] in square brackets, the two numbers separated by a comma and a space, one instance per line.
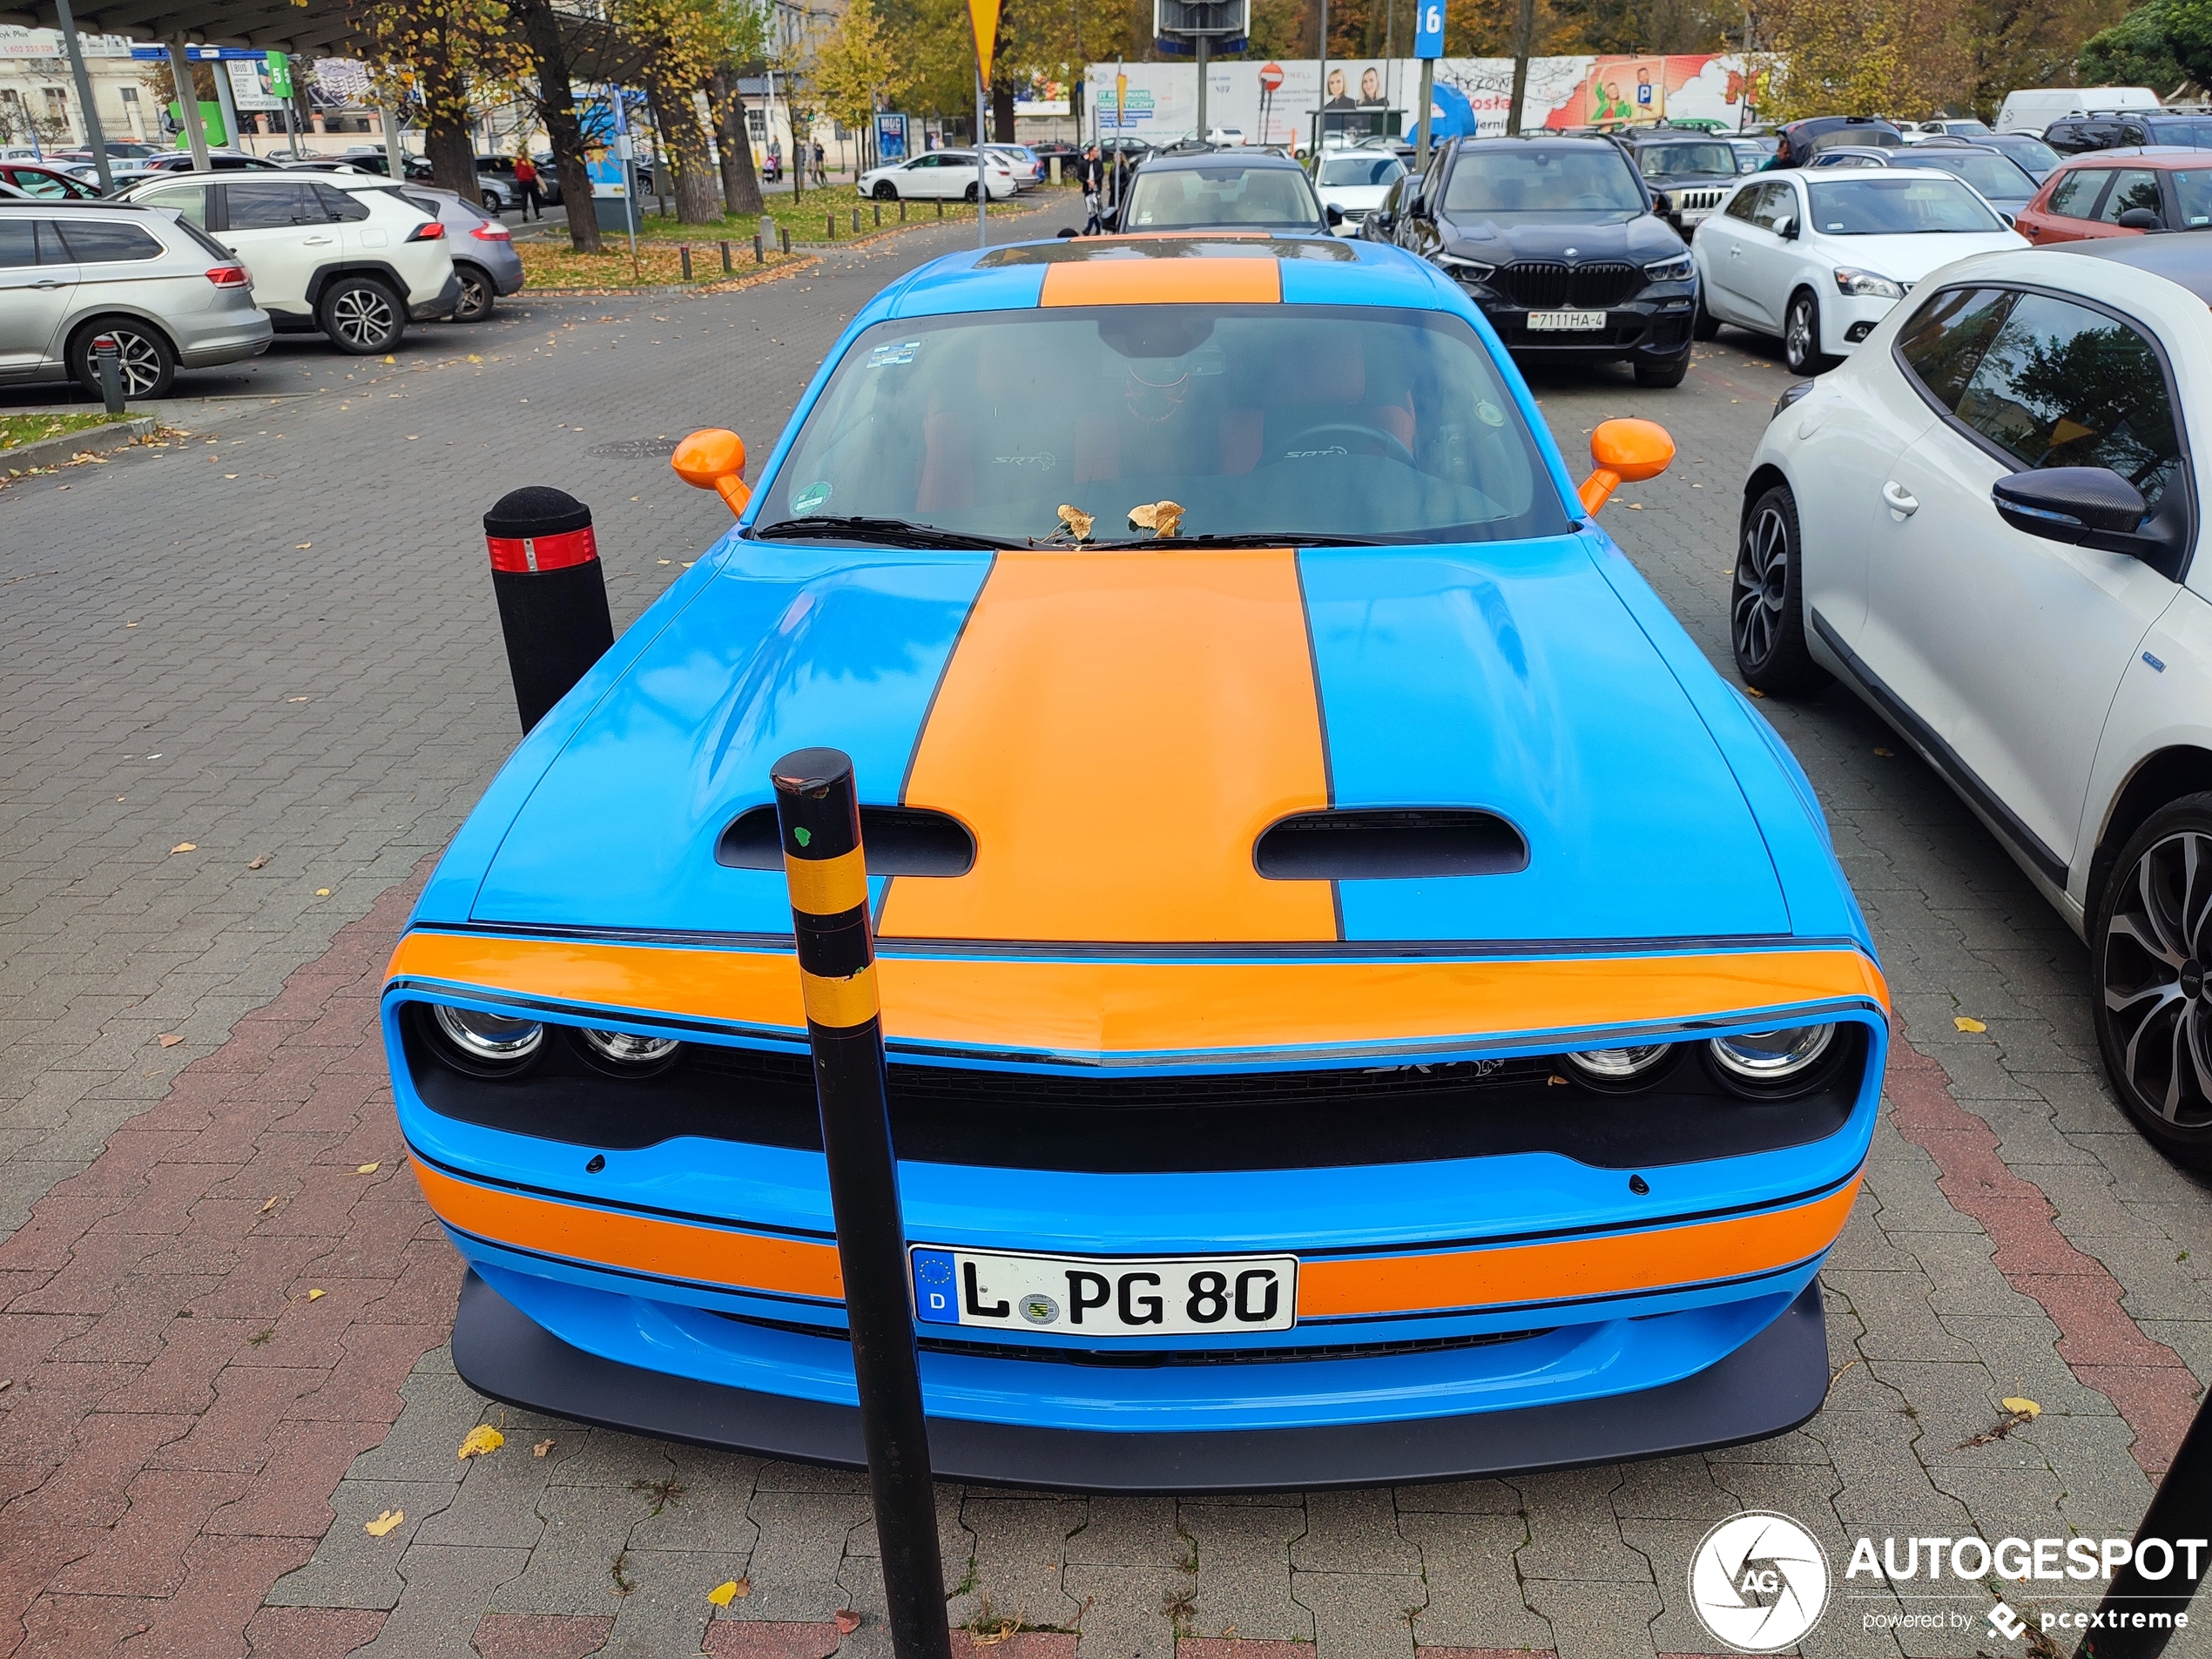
[1901, 59]
[855, 67]
[455, 59]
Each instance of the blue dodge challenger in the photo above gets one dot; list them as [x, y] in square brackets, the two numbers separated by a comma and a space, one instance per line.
[1365, 1000]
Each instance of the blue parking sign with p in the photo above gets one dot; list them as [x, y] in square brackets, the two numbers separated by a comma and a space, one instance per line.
[1428, 29]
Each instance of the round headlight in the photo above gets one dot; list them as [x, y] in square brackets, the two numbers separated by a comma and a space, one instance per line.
[490, 1038]
[1619, 1067]
[629, 1048]
[1764, 1059]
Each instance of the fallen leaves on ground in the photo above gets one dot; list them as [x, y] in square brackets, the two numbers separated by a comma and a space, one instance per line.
[481, 1439]
[723, 1595]
[255, 863]
[2019, 1410]
[170, 1039]
[384, 1524]
[2021, 1406]
[847, 1621]
[368, 1169]
[301, 546]
[185, 847]
[541, 1448]
[323, 893]
[268, 1206]
[316, 1296]
[1966, 1024]
[1885, 754]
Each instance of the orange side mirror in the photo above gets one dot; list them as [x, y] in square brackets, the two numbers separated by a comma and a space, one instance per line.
[715, 460]
[1624, 452]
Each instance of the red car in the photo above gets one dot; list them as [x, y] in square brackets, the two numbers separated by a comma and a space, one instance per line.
[35, 178]
[2121, 193]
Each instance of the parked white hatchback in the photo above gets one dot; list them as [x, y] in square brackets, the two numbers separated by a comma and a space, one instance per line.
[1986, 525]
[1820, 258]
[345, 253]
[947, 175]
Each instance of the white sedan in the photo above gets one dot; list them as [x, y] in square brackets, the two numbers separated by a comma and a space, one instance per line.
[1354, 182]
[1984, 525]
[1819, 258]
[944, 174]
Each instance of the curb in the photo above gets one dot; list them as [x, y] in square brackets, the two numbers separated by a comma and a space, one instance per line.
[49, 452]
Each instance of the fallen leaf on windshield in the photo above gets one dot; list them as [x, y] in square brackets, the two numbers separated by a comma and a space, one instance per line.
[1076, 522]
[1163, 518]
[481, 1439]
[384, 1522]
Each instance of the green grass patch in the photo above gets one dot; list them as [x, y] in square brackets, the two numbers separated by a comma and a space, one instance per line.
[16, 431]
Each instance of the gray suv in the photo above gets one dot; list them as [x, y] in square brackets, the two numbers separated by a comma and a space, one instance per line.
[170, 295]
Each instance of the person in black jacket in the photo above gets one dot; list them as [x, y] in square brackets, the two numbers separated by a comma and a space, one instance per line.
[1090, 176]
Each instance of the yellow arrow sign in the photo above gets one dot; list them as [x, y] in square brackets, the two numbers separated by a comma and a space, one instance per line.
[985, 15]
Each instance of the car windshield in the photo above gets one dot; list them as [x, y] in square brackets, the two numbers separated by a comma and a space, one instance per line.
[1296, 422]
[1891, 204]
[1362, 170]
[2193, 193]
[1515, 185]
[2031, 153]
[1993, 176]
[1687, 161]
[1194, 197]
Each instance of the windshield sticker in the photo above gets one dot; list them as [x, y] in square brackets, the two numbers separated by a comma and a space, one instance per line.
[1489, 414]
[1043, 461]
[811, 499]
[893, 357]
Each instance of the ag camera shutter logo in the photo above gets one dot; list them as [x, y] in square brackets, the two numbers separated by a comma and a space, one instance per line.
[1758, 1582]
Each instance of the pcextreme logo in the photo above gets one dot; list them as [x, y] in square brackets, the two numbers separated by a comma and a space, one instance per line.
[1759, 1582]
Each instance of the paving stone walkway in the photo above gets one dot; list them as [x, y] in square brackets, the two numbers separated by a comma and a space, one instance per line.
[193, 1442]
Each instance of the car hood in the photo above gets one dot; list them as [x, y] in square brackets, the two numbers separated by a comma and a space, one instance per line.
[1909, 257]
[1118, 729]
[1639, 240]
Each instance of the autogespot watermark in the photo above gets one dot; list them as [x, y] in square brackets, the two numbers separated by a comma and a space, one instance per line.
[1761, 1582]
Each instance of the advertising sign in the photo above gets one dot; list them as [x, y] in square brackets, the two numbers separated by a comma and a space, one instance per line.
[252, 84]
[18, 42]
[890, 138]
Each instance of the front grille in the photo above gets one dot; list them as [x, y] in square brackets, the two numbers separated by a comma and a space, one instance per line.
[1154, 1358]
[1545, 285]
[1695, 200]
[1128, 1123]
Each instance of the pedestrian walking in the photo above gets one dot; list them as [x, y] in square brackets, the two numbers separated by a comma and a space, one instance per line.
[821, 177]
[526, 184]
[775, 161]
[1090, 178]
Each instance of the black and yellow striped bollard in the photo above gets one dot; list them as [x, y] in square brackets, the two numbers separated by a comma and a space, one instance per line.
[818, 815]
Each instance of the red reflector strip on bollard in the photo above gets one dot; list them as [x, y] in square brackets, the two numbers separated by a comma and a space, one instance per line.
[542, 552]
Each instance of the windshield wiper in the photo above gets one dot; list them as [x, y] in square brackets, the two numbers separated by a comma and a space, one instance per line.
[894, 532]
[1253, 538]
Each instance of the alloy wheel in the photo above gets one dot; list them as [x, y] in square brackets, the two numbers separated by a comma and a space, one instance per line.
[138, 359]
[475, 297]
[363, 316]
[2156, 948]
[1761, 584]
[1797, 339]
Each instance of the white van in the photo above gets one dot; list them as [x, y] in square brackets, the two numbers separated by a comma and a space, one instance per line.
[2035, 107]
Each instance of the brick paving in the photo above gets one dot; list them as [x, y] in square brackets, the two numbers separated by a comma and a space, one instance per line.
[200, 1484]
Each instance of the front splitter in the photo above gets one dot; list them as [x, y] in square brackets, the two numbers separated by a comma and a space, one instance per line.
[1770, 1384]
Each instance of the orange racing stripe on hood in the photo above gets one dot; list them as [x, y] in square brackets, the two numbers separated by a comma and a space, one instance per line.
[1257, 280]
[1117, 728]
[1104, 1006]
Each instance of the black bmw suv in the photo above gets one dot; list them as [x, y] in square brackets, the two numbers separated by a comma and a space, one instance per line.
[1563, 246]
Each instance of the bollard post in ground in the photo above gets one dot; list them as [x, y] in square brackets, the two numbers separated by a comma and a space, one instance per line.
[902, 210]
[686, 253]
[759, 253]
[2178, 1526]
[856, 220]
[552, 594]
[829, 229]
[726, 266]
[879, 215]
[107, 364]
[787, 236]
[818, 818]
[941, 207]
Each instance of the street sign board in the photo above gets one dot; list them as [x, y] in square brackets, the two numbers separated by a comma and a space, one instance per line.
[250, 87]
[1428, 29]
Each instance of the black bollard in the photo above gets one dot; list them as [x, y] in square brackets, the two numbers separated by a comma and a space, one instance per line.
[819, 816]
[785, 234]
[686, 253]
[726, 266]
[759, 256]
[856, 221]
[107, 363]
[2178, 1526]
[552, 594]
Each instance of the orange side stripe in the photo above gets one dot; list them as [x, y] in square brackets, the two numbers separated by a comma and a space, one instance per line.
[1512, 1273]
[1145, 1008]
[1166, 714]
[1234, 280]
[1576, 1267]
[642, 1243]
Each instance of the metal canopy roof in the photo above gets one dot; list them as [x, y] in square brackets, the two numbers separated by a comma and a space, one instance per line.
[316, 28]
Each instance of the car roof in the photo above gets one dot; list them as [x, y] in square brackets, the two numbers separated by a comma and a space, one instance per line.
[1561, 140]
[1200, 159]
[2185, 258]
[74, 204]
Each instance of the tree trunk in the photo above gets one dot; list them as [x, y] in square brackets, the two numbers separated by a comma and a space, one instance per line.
[556, 108]
[697, 200]
[451, 146]
[740, 184]
[1002, 113]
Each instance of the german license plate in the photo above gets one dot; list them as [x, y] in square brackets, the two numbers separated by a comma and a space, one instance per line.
[1096, 1296]
[1563, 321]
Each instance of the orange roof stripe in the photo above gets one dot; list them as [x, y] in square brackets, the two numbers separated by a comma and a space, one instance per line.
[1254, 280]
[1108, 1006]
[1610, 1264]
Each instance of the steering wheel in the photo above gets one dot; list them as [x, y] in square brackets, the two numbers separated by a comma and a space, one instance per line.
[1388, 443]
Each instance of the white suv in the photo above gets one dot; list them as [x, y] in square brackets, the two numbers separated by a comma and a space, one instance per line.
[345, 253]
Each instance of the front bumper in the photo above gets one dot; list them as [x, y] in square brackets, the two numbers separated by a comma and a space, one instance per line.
[1469, 1257]
[1847, 319]
[1769, 1386]
[1651, 327]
